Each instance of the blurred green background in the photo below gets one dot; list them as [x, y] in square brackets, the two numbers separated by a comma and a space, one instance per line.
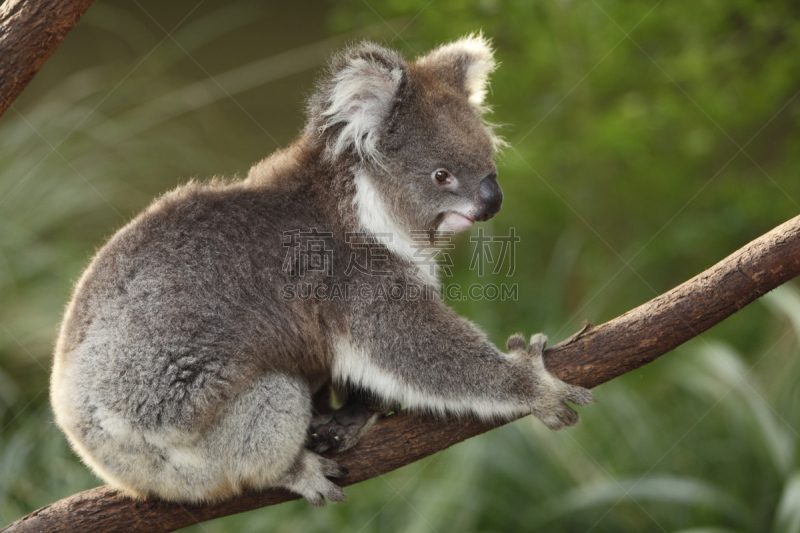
[648, 141]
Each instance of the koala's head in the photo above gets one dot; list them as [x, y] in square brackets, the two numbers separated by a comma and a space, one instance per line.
[412, 135]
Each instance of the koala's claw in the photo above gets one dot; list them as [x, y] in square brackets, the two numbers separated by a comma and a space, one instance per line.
[309, 477]
[333, 492]
[343, 430]
[333, 434]
[333, 469]
[559, 418]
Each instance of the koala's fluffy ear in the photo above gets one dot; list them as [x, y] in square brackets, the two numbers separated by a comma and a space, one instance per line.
[466, 64]
[353, 103]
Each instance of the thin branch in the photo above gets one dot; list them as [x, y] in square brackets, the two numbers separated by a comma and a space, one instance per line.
[31, 30]
[594, 356]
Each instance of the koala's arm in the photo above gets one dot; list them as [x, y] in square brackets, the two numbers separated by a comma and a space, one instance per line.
[423, 354]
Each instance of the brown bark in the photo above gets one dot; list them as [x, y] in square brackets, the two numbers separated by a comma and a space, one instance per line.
[31, 30]
[589, 359]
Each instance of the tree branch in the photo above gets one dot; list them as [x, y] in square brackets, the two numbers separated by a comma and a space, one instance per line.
[31, 30]
[590, 358]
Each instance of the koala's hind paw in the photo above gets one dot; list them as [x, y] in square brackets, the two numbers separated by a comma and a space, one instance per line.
[309, 478]
[550, 393]
[332, 468]
[329, 490]
[333, 492]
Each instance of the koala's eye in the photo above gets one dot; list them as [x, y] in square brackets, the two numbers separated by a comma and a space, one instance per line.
[443, 177]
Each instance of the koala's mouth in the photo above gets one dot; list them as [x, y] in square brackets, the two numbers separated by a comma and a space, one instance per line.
[454, 221]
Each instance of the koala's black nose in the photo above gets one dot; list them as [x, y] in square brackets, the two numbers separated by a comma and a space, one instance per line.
[491, 197]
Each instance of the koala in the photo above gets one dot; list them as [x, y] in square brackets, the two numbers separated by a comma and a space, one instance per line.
[201, 347]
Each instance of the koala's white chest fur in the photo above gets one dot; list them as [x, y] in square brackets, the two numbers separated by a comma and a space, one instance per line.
[377, 220]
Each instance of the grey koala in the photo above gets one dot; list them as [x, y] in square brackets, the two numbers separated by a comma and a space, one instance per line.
[198, 354]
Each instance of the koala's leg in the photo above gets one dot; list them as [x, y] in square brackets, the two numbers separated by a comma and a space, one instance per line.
[255, 441]
[342, 429]
[429, 358]
[263, 432]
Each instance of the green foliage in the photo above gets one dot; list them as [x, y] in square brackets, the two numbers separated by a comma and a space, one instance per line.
[648, 141]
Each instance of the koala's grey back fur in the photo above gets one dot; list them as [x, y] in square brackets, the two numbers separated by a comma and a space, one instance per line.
[183, 371]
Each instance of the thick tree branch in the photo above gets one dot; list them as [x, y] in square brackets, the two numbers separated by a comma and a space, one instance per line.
[589, 359]
[31, 30]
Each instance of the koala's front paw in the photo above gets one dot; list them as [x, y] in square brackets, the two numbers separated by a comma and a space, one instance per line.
[549, 392]
[343, 430]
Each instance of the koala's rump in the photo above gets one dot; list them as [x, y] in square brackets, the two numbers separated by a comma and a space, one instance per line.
[180, 311]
